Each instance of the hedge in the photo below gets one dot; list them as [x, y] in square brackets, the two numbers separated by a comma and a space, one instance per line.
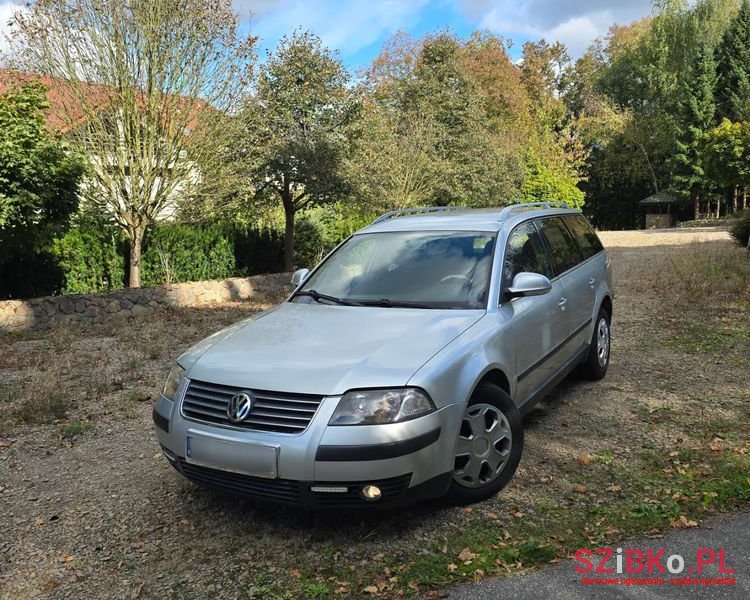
[90, 257]
[174, 253]
[93, 256]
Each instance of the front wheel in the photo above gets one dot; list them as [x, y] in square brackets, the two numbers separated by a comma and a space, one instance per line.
[489, 446]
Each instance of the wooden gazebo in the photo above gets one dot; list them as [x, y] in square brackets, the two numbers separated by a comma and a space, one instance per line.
[659, 209]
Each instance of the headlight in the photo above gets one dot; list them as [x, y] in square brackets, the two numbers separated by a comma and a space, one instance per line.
[172, 384]
[373, 407]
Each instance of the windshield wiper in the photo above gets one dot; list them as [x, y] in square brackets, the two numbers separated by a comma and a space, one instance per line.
[317, 296]
[388, 303]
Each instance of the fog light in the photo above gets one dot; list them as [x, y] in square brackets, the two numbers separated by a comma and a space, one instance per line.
[371, 493]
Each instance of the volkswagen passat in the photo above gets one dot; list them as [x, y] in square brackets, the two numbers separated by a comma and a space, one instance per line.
[400, 367]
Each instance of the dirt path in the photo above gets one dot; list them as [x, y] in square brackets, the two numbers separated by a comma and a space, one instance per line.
[102, 515]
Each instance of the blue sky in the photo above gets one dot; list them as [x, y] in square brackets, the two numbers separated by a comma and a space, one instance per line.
[358, 28]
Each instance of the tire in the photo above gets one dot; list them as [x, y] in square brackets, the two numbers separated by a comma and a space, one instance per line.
[486, 460]
[597, 362]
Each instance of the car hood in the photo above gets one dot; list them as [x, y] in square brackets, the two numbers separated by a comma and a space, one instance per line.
[326, 349]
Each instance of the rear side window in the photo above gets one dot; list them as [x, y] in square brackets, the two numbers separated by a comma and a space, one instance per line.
[525, 253]
[565, 252]
[587, 240]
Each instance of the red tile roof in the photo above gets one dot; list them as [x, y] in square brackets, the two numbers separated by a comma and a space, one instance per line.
[65, 111]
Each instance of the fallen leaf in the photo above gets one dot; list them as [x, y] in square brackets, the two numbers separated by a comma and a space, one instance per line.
[466, 554]
[295, 573]
[370, 589]
[614, 488]
[584, 458]
[580, 489]
[452, 567]
[518, 514]
[683, 521]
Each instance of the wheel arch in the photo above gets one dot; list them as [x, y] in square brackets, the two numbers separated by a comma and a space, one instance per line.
[498, 377]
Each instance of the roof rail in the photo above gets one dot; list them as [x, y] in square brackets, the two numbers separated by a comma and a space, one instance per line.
[506, 212]
[415, 211]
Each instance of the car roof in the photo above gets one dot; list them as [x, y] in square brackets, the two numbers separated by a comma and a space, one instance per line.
[462, 219]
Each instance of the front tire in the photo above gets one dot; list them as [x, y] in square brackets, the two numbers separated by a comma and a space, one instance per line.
[489, 446]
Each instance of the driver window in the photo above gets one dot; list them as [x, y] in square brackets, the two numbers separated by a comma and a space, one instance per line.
[525, 252]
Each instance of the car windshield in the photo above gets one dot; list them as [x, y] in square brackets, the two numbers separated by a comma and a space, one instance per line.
[424, 269]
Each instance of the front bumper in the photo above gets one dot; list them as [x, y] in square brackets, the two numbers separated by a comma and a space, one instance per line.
[408, 461]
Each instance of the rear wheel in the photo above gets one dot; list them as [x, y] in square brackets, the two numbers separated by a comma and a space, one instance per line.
[489, 446]
[597, 362]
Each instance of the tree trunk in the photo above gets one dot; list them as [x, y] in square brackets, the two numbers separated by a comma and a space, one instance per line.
[718, 207]
[697, 204]
[136, 240]
[288, 238]
[735, 196]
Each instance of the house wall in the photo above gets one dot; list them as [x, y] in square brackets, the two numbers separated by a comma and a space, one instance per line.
[50, 311]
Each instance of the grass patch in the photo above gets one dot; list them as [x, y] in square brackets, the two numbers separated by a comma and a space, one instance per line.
[72, 430]
[45, 406]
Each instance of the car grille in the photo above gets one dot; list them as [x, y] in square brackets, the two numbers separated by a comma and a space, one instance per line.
[279, 490]
[272, 411]
[293, 492]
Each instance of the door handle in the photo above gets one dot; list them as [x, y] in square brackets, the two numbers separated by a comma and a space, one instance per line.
[592, 281]
[562, 303]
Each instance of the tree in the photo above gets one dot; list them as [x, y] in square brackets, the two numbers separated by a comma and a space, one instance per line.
[144, 88]
[543, 185]
[733, 66]
[392, 164]
[296, 129]
[447, 131]
[39, 180]
[697, 110]
[726, 156]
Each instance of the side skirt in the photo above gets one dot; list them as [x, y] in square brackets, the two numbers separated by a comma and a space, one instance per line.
[548, 385]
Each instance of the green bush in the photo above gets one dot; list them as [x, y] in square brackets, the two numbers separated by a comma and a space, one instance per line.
[175, 253]
[317, 232]
[740, 227]
[89, 257]
[258, 250]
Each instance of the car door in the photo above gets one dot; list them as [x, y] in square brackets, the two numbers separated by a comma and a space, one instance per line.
[585, 277]
[566, 260]
[538, 324]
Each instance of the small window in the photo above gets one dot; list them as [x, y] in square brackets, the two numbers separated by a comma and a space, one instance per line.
[587, 240]
[525, 253]
[565, 252]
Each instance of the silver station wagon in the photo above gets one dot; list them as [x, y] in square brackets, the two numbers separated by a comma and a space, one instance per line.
[400, 367]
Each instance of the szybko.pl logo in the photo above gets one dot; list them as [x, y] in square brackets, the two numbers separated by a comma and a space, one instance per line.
[652, 566]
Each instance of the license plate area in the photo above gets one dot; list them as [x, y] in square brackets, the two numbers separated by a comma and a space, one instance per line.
[245, 458]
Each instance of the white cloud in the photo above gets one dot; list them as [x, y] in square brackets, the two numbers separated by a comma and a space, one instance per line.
[574, 22]
[347, 26]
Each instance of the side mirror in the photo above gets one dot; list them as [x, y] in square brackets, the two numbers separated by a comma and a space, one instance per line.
[529, 284]
[299, 277]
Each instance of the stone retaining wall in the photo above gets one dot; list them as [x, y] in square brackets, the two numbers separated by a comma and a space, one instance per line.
[42, 313]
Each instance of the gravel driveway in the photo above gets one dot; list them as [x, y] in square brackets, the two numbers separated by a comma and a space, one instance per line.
[102, 515]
